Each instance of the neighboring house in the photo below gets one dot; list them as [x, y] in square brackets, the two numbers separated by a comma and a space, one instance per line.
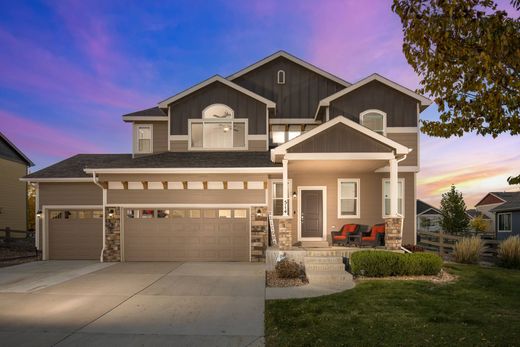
[502, 210]
[13, 192]
[428, 217]
[507, 215]
[474, 213]
[209, 163]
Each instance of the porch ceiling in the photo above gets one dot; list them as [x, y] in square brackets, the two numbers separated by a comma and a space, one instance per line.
[328, 166]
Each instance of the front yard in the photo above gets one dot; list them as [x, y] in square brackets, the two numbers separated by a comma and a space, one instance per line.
[481, 308]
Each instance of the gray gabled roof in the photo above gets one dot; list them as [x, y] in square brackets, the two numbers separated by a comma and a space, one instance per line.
[149, 112]
[512, 202]
[474, 213]
[423, 207]
[74, 167]
[9, 151]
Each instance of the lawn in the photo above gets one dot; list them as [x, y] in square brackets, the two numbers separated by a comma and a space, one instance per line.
[481, 308]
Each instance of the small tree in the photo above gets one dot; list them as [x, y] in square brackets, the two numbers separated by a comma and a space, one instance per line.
[479, 224]
[454, 219]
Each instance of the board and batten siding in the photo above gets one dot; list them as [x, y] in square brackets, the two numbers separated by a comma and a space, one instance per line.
[253, 145]
[13, 195]
[409, 140]
[298, 97]
[400, 108]
[192, 105]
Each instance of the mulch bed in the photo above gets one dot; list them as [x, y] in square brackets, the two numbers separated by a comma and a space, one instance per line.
[272, 280]
[442, 277]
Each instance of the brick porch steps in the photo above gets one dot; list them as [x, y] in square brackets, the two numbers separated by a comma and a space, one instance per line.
[315, 244]
[325, 267]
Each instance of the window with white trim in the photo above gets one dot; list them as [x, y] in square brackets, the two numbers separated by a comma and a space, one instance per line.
[374, 120]
[280, 77]
[386, 197]
[504, 222]
[143, 136]
[218, 129]
[348, 198]
[277, 197]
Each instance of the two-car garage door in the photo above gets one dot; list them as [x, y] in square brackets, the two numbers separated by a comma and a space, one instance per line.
[212, 234]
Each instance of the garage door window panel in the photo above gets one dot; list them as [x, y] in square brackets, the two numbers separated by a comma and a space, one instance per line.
[163, 213]
[177, 214]
[147, 214]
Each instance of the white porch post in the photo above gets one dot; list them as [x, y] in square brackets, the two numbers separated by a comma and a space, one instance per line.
[394, 190]
[285, 187]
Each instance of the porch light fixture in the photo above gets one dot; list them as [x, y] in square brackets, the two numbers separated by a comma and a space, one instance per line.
[258, 212]
[294, 195]
[39, 214]
[110, 213]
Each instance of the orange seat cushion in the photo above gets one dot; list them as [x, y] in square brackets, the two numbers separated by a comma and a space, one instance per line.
[349, 228]
[340, 237]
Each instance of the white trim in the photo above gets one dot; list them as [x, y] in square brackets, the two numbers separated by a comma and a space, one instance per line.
[192, 206]
[283, 121]
[203, 121]
[294, 60]
[373, 110]
[169, 130]
[339, 156]
[375, 77]
[280, 77]
[427, 214]
[401, 179]
[414, 209]
[231, 116]
[400, 169]
[136, 138]
[45, 223]
[357, 181]
[324, 214]
[216, 78]
[271, 186]
[510, 222]
[57, 180]
[258, 170]
[256, 137]
[282, 149]
[36, 219]
[485, 196]
[179, 138]
[145, 119]
[402, 130]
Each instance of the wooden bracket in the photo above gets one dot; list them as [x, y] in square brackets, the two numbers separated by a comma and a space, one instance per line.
[165, 185]
[125, 184]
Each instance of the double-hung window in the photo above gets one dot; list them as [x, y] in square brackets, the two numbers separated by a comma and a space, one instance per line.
[143, 136]
[386, 197]
[218, 129]
[504, 222]
[348, 198]
[277, 197]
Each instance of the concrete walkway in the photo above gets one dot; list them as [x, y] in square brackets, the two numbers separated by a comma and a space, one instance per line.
[138, 304]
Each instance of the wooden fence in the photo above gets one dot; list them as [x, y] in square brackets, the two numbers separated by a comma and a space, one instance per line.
[442, 243]
[8, 234]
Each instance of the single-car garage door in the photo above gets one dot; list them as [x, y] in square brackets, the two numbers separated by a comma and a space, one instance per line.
[75, 234]
[218, 234]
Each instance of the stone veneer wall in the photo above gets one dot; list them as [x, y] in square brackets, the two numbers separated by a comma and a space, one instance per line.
[112, 250]
[259, 233]
[285, 234]
[393, 237]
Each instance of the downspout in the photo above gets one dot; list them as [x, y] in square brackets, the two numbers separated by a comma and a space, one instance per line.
[402, 224]
[96, 182]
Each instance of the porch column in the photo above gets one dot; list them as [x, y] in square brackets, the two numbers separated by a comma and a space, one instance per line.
[394, 190]
[285, 187]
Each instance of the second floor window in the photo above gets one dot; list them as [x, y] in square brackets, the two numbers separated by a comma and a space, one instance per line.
[218, 129]
[374, 120]
[144, 139]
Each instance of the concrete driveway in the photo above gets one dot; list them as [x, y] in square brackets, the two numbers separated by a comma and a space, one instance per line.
[132, 304]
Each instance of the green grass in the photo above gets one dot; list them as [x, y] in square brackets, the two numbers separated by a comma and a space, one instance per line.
[481, 308]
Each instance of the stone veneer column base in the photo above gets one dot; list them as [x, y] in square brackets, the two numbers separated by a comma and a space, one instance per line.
[393, 237]
[285, 234]
[259, 231]
[112, 250]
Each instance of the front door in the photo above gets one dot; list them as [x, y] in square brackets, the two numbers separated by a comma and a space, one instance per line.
[311, 213]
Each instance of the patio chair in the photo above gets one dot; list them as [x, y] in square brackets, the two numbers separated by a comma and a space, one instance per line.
[375, 236]
[342, 236]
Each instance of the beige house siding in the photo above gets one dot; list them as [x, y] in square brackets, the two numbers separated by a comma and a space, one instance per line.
[178, 146]
[159, 134]
[182, 145]
[257, 145]
[371, 200]
[13, 195]
[409, 140]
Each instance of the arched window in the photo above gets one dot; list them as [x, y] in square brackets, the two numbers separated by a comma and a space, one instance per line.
[374, 120]
[280, 77]
[218, 111]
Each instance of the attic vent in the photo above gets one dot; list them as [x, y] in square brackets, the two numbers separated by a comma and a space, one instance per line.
[280, 77]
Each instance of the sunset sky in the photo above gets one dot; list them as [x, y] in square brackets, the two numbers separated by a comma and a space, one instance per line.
[70, 69]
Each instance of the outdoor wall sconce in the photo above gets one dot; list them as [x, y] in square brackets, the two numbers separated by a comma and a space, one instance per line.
[258, 212]
[294, 195]
[110, 213]
[39, 214]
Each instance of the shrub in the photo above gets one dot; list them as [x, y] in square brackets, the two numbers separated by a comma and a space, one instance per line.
[289, 269]
[509, 252]
[468, 250]
[383, 263]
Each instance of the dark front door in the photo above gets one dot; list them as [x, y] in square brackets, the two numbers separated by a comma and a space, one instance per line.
[311, 214]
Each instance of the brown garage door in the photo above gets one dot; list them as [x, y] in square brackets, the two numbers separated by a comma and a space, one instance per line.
[186, 234]
[75, 234]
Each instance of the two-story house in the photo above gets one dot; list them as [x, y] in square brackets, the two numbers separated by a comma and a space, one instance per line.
[210, 163]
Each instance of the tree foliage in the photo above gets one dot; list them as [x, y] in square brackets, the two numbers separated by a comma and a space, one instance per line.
[454, 219]
[467, 54]
[479, 224]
